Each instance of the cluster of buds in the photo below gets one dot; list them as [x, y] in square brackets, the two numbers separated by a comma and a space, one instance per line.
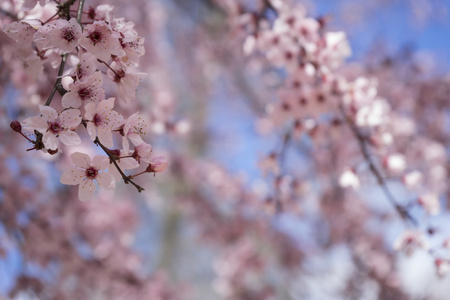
[101, 48]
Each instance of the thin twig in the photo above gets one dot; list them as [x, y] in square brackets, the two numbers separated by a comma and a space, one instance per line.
[113, 159]
[402, 211]
[58, 86]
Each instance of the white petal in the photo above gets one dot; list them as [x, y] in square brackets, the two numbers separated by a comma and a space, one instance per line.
[90, 111]
[105, 105]
[92, 130]
[69, 138]
[128, 163]
[100, 162]
[106, 181]
[71, 99]
[105, 136]
[73, 176]
[114, 172]
[50, 141]
[81, 160]
[70, 118]
[86, 189]
[48, 113]
[38, 123]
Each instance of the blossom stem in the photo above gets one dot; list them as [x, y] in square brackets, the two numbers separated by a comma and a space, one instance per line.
[401, 210]
[58, 86]
[112, 70]
[50, 19]
[132, 176]
[112, 158]
[80, 11]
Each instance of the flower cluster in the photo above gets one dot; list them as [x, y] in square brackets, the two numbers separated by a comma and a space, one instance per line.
[105, 49]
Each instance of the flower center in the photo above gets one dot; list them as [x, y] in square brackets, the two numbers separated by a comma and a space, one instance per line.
[68, 35]
[84, 93]
[91, 173]
[95, 37]
[97, 120]
[54, 127]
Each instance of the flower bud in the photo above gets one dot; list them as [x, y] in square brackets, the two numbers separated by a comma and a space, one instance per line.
[15, 125]
[157, 165]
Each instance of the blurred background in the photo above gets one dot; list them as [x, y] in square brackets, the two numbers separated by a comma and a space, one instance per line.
[210, 227]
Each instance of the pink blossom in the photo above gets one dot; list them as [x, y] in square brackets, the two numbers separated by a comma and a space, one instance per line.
[430, 201]
[85, 172]
[103, 120]
[53, 126]
[142, 152]
[157, 165]
[100, 40]
[64, 35]
[127, 81]
[411, 240]
[348, 178]
[90, 90]
[134, 128]
[86, 67]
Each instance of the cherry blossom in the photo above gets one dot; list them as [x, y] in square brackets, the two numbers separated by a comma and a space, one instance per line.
[101, 41]
[102, 121]
[64, 35]
[142, 152]
[134, 129]
[80, 92]
[157, 164]
[85, 68]
[53, 126]
[127, 81]
[85, 172]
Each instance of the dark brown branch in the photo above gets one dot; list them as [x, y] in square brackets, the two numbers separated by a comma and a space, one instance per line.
[113, 159]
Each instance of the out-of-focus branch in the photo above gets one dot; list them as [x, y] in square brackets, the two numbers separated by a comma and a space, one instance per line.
[362, 142]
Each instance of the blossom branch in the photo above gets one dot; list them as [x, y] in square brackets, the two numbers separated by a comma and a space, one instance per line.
[402, 211]
[58, 86]
[113, 159]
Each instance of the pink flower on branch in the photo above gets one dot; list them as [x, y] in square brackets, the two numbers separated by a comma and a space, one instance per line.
[91, 90]
[64, 35]
[85, 172]
[100, 40]
[134, 129]
[53, 126]
[127, 81]
[103, 120]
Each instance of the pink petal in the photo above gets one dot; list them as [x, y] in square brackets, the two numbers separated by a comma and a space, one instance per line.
[106, 181]
[105, 136]
[95, 80]
[105, 105]
[125, 144]
[70, 118]
[114, 172]
[73, 176]
[90, 111]
[100, 162]
[50, 140]
[69, 138]
[114, 120]
[92, 130]
[38, 123]
[128, 163]
[81, 160]
[71, 99]
[86, 189]
[48, 113]
[136, 139]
